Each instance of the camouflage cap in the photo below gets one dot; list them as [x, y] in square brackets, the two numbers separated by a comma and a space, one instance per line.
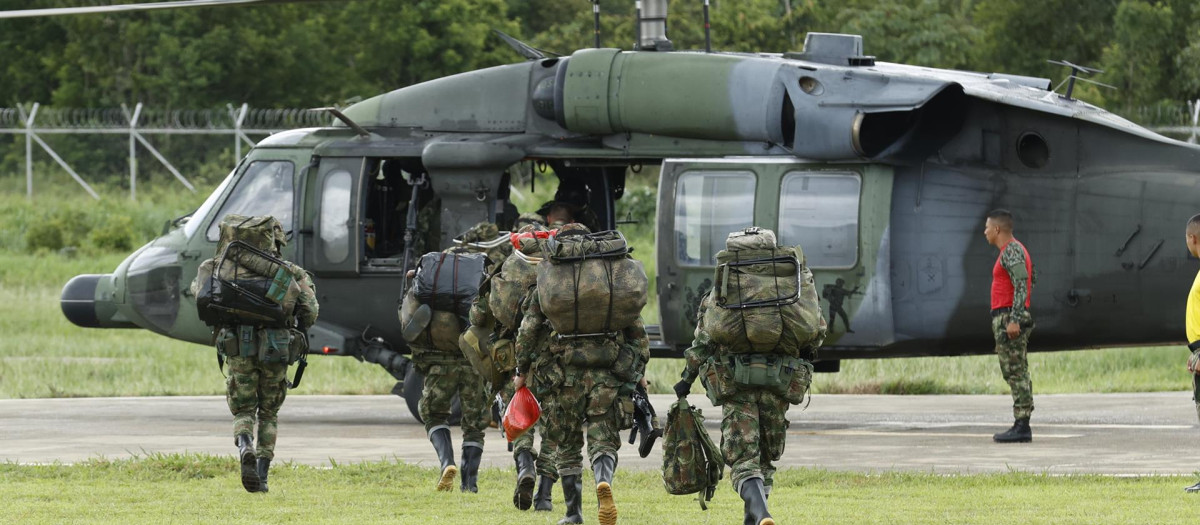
[484, 231]
[528, 218]
[573, 227]
[262, 232]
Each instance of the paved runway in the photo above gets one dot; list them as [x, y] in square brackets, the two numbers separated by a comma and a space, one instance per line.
[1150, 433]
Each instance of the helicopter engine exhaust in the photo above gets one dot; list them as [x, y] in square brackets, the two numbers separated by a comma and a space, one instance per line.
[812, 112]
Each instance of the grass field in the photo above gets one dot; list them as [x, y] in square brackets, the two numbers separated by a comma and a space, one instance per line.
[204, 489]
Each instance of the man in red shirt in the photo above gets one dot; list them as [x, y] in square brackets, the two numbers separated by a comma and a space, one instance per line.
[1012, 285]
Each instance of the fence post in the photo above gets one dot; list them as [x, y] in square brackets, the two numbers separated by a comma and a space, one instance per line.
[28, 117]
[133, 119]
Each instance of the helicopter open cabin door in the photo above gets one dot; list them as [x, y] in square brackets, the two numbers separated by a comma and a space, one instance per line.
[838, 214]
[336, 247]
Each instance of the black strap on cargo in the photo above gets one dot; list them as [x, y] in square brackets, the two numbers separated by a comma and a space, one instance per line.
[577, 270]
[608, 321]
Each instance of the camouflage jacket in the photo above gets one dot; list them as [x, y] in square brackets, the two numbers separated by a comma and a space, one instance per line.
[536, 327]
[702, 348]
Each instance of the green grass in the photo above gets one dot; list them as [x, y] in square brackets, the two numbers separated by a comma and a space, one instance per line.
[204, 489]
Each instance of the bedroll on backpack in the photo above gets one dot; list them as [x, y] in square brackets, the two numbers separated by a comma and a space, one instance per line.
[449, 282]
[763, 298]
[692, 464]
[589, 285]
[510, 285]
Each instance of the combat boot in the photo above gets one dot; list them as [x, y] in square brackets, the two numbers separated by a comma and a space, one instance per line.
[470, 468]
[264, 468]
[523, 494]
[245, 445]
[545, 493]
[445, 451]
[603, 467]
[1019, 433]
[1192, 489]
[573, 495]
[755, 497]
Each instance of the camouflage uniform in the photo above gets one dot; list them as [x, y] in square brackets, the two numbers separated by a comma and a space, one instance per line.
[255, 390]
[1012, 352]
[753, 424]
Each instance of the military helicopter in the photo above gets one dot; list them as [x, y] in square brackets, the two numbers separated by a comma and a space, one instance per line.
[882, 172]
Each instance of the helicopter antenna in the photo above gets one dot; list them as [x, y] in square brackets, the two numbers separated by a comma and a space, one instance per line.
[637, 11]
[596, 21]
[523, 49]
[707, 30]
[1075, 71]
[337, 113]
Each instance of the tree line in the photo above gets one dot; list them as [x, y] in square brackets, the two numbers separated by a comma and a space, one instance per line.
[318, 53]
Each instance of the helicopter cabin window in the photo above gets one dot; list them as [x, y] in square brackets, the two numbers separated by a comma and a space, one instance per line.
[819, 212]
[335, 208]
[709, 205]
[264, 189]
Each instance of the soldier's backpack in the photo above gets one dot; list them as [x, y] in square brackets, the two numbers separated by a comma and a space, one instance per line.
[246, 284]
[446, 283]
[692, 464]
[763, 300]
[589, 285]
[512, 282]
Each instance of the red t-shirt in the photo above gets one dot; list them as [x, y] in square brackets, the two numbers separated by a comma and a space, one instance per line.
[1002, 285]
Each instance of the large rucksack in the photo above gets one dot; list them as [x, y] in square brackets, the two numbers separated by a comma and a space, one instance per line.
[589, 285]
[511, 283]
[763, 300]
[447, 283]
[246, 284]
[691, 462]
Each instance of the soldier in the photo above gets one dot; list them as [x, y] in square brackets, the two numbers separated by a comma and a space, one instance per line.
[502, 335]
[1012, 286]
[570, 204]
[754, 424]
[579, 394]
[1192, 320]
[448, 372]
[255, 389]
[837, 294]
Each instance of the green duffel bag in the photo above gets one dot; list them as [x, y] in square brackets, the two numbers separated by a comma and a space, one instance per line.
[692, 463]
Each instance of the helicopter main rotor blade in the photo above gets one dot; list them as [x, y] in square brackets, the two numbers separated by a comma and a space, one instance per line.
[60, 11]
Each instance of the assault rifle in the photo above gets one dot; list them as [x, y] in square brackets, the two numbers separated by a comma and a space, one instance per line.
[417, 182]
[643, 422]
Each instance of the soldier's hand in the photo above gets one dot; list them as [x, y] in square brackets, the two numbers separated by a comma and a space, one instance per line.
[1193, 363]
[682, 388]
[1014, 330]
[644, 383]
[519, 381]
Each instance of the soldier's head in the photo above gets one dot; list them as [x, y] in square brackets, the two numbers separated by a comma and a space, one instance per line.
[999, 227]
[840, 282]
[528, 218]
[559, 213]
[1192, 235]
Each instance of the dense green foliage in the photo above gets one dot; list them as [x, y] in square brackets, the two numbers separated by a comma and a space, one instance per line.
[316, 53]
[204, 489]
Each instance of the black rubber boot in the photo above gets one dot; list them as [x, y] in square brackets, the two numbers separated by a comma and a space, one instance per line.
[264, 469]
[523, 494]
[755, 497]
[1019, 433]
[245, 445]
[1192, 489]
[573, 494]
[470, 468]
[545, 494]
[445, 452]
[603, 467]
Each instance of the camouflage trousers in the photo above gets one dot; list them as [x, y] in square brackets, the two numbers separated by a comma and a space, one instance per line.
[586, 396]
[1014, 366]
[255, 391]
[753, 432]
[441, 383]
[545, 459]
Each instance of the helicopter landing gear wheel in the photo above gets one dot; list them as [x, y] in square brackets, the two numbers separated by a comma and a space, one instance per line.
[414, 383]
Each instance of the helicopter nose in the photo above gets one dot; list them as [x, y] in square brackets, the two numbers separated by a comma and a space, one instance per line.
[79, 300]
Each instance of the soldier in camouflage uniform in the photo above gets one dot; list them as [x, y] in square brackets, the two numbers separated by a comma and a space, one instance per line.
[523, 453]
[578, 396]
[255, 390]
[447, 372]
[1012, 285]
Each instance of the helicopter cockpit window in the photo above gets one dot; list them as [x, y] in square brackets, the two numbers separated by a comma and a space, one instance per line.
[709, 205]
[819, 212]
[265, 189]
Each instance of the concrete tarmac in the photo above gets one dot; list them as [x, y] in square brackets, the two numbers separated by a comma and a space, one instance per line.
[1124, 434]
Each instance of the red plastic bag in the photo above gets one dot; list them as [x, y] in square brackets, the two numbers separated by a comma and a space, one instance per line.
[522, 412]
